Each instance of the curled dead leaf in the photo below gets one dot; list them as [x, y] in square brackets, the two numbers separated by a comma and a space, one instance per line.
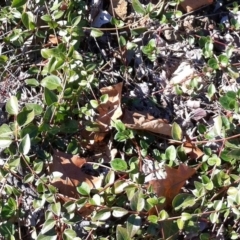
[156, 126]
[144, 121]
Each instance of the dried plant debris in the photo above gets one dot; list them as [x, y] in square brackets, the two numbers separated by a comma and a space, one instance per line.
[119, 119]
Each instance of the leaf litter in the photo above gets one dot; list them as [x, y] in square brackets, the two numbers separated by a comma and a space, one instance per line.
[163, 69]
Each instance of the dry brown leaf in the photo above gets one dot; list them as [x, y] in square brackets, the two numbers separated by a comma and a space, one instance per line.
[198, 114]
[192, 151]
[54, 40]
[111, 110]
[156, 126]
[144, 121]
[172, 184]
[64, 6]
[98, 144]
[190, 148]
[119, 7]
[190, 5]
[73, 175]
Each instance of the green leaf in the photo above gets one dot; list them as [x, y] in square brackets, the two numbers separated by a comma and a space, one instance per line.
[38, 167]
[227, 103]
[81, 202]
[5, 142]
[70, 206]
[76, 21]
[46, 53]
[205, 236]
[48, 115]
[137, 202]
[119, 212]
[163, 215]
[224, 60]
[120, 137]
[25, 145]
[182, 201]
[14, 162]
[5, 131]
[94, 103]
[96, 33]
[213, 63]
[119, 125]
[7, 211]
[104, 98]
[186, 216]
[235, 153]
[25, 117]
[51, 66]
[217, 205]
[51, 82]
[48, 225]
[84, 189]
[209, 47]
[56, 208]
[122, 41]
[119, 186]
[3, 59]
[233, 72]
[214, 160]
[32, 82]
[171, 153]
[152, 219]
[178, 14]
[133, 224]
[28, 20]
[28, 178]
[208, 184]
[231, 94]
[232, 191]
[180, 223]
[211, 90]
[50, 236]
[181, 153]
[118, 23]
[118, 164]
[12, 106]
[217, 125]
[137, 32]
[214, 217]
[122, 234]
[178, 90]
[152, 201]
[33, 106]
[46, 18]
[102, 215]
[50, 97]
[95, 200]
[69, 234]
[110, 178]
[18, 3]
[138, 8]
[176, 132]
[229, 51]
